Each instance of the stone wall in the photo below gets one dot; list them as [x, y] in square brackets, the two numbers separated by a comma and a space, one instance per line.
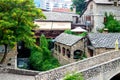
[63, 59]
[101, 67]
[22, 72]
[97, 51]
[103, 71]
[11, 59]
[102, 50]
[60, 72]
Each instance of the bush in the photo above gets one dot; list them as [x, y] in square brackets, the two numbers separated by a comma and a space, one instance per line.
[111, 23]
[75, 76]
[50, 44]
[68, 31]
[49, 64]
[36, 59]
[83, 34]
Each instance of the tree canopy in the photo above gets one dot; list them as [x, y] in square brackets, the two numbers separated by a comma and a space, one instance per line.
[16, 22]
[80, 5]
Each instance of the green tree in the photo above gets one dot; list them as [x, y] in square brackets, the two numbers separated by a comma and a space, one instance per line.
[49, 62]
[42, 59]
[80, 5]
[43, 41]
[44, 47]
[16, 22]
[111, 23]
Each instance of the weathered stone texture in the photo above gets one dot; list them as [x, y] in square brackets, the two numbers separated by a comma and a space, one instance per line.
[102, 50]
[104, 71]
[64, 59]
[11, 59]
[58, 73]
[100, 67]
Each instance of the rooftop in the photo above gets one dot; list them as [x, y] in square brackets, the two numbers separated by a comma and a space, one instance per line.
[67, 39]
[103, 1]
[59, 16]
[101, 40]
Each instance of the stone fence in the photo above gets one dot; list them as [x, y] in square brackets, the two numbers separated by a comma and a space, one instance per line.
[22, 72]
[19, 71]
[60, 72]
[103, 71]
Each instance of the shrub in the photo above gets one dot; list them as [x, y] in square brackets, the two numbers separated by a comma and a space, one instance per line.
[68, 31]
[111, 23]
[75, 76]
[36, 59]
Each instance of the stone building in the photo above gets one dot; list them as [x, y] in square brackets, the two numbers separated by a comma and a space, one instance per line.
[68, 48]
[11, 58]
[55, 23]
[101, 42]
[94, 13]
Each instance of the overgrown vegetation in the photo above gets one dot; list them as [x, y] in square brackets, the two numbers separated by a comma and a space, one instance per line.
[42, 59]
[70, 32]
[83, 34]
[75, 76]
[112, 24]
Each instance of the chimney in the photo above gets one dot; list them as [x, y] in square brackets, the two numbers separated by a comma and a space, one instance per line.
[105, 30]
[74, 9]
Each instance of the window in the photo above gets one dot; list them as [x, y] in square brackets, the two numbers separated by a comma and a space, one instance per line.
[115, 3]
[88, 18]
[55, 47]
[68, 53]
[59, 49]
[63, 51]
[77, 54]
[104, 19]
[91, 6]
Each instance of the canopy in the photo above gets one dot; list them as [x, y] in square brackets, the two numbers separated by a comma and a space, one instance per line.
[78, 29]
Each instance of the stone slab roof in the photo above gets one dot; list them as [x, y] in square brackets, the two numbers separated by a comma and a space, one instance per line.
[67, 39]
[59, 16]
[102, 40]
[103, 1]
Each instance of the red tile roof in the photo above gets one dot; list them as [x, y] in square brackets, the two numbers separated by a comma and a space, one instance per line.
[61, 10]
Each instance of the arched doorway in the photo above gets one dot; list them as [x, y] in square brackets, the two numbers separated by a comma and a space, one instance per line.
[116, 77]
[78, 54]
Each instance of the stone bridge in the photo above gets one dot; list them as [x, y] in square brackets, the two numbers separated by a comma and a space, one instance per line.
[100, 67]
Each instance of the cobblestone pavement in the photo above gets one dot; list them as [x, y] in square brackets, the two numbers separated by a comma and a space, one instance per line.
[9, 76]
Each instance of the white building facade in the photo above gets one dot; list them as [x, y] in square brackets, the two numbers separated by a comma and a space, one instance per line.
[50, 4]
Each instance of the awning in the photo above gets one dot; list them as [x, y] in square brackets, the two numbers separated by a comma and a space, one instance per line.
[78, 29]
